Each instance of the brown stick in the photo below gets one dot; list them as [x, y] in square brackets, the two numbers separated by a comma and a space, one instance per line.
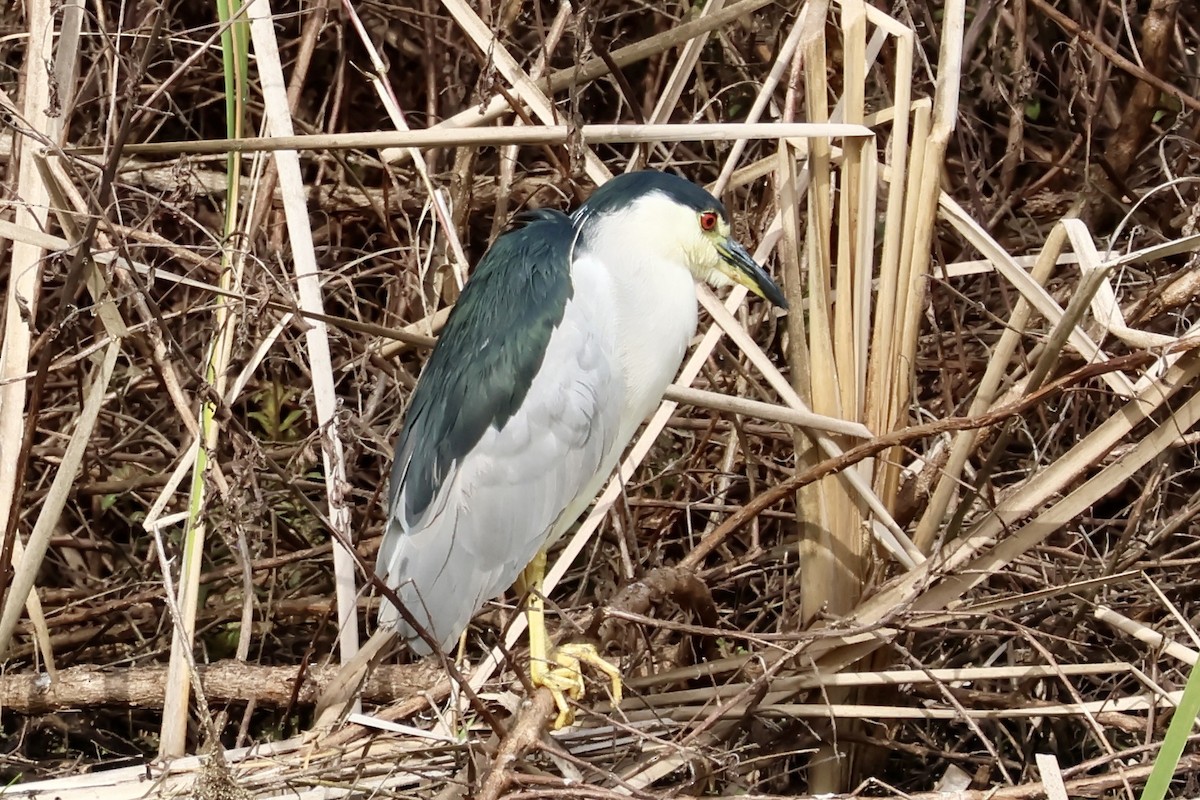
[523, 736]
[1072, 27]
[1134, 128]
[225, 681]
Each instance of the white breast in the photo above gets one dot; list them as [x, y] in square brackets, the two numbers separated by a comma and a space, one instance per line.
[656, 328]
[654, 310]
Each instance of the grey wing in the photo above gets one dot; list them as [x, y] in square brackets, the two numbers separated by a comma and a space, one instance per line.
[501, 501]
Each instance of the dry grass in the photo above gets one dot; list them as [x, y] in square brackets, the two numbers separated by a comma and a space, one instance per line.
[947, 547]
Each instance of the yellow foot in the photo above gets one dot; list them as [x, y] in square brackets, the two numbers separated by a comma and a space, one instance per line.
[565, 678]
[557, 670]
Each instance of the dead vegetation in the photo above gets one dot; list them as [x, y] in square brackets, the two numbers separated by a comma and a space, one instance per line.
[980, 580]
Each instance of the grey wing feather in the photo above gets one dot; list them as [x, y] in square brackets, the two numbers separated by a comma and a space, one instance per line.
[520, 485]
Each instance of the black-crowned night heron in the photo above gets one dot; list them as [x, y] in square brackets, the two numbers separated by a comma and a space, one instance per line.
[561, 344]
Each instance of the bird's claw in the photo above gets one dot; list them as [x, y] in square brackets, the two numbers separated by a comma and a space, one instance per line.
[565, 678]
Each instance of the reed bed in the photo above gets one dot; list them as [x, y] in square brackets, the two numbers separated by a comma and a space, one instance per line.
[927, 535]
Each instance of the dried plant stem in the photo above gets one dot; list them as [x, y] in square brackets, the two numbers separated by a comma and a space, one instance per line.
[396, 115]
[308, 287]
[985, 395]
[57, 496]
[882, 414]
[25, 263]
[970, 559]
[598, 67]
[508, 156]
[549, 133]
[928, 190]
[29, 558]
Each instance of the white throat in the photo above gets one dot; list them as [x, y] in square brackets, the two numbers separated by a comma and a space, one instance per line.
[654, 308]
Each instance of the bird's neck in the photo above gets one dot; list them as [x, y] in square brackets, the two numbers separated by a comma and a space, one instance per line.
[656, 316]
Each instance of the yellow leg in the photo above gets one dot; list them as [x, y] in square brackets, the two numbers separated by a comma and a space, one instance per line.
[558, 671]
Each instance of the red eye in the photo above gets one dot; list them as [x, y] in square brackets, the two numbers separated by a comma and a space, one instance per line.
[708, 220]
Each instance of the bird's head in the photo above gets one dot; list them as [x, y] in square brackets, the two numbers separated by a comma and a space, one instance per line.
[677, 221]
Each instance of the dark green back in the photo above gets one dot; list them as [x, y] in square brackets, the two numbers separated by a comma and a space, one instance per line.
[488, 353]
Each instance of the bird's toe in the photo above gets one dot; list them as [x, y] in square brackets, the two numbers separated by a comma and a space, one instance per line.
[565, 678]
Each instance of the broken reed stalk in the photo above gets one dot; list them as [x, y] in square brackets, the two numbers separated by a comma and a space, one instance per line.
[30, 556]
[883, 360]
[25, 274]
[309, 294]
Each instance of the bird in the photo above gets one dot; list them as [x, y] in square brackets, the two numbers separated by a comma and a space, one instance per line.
[562, 342]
